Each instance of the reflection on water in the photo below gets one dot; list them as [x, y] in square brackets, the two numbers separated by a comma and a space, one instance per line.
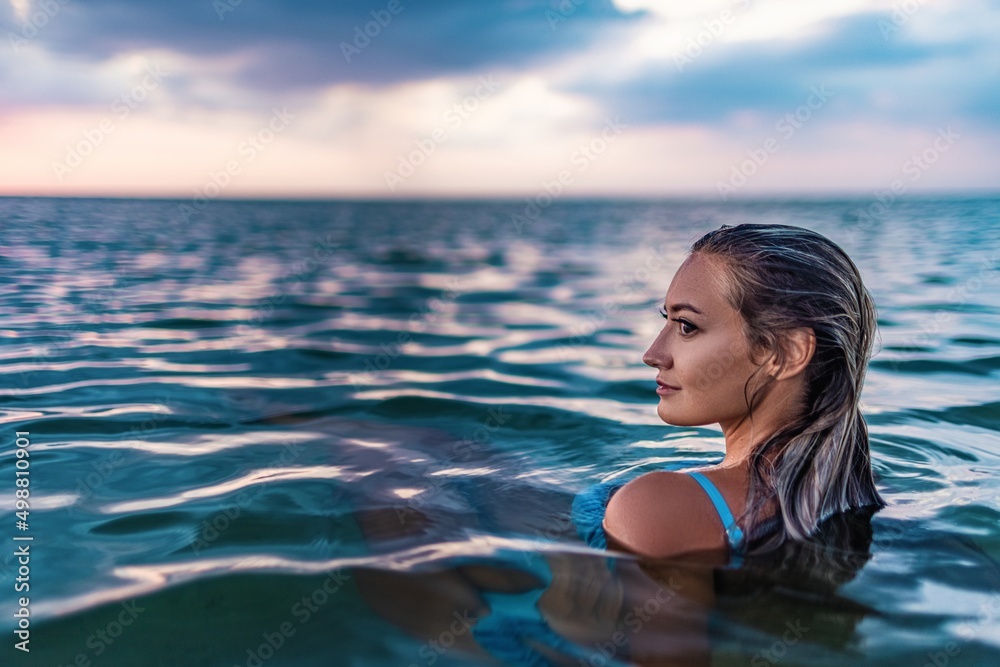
[350, 433]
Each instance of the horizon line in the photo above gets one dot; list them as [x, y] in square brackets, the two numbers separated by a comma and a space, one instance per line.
[833, 195]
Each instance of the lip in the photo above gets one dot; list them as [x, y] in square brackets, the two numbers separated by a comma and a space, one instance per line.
[663, 388]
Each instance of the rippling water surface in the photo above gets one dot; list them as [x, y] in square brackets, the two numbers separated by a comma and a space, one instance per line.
[320, 433]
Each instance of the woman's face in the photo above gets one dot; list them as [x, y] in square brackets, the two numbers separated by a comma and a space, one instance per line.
[703, 354]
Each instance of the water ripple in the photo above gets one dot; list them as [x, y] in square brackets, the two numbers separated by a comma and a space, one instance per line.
[224, 414]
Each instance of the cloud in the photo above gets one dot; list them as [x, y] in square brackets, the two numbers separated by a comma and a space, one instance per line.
[566, 67]
[870, 76]
[314, 44]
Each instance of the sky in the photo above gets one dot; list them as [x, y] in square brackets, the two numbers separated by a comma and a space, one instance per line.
[481, 98]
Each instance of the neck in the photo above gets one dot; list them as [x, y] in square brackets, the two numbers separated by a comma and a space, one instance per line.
[739, 443]
[778, 407]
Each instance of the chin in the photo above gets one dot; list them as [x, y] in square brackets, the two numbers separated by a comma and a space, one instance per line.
[668, 418]
[672, 418]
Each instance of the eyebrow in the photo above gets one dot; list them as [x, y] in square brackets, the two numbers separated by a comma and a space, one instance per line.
[683, 306]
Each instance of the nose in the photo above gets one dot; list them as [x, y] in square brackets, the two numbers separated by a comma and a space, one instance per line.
[658, 356]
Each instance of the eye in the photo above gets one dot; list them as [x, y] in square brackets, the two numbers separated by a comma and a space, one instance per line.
[690, 328]
[685, 323]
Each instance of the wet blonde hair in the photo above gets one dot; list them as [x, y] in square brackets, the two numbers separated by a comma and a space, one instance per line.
[780, 278]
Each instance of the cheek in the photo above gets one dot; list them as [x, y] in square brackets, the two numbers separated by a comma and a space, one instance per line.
[714, 368]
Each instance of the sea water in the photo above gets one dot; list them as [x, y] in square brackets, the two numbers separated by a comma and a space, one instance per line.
[320, 433]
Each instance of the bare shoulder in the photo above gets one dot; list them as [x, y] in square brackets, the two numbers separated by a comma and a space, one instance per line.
[662, 514]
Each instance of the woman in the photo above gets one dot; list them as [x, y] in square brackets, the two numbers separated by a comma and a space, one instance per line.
[769, 332]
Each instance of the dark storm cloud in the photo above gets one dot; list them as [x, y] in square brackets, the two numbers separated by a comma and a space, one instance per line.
[301, 44]
[247, 51]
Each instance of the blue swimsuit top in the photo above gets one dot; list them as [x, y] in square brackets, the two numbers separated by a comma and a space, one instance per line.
[590, 504]
[515, 617]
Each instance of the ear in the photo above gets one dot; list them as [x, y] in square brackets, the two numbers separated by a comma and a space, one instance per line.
[798, 348]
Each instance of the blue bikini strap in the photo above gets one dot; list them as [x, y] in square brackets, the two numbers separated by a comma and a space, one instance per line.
[733, 532]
